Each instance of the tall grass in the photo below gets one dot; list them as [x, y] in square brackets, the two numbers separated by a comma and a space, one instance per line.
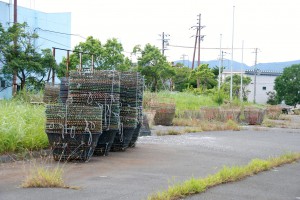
[183, 100]
[22, 126]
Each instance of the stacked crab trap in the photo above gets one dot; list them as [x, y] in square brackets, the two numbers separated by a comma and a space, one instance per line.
[131, 110]
[102, 89]
[97, 112]
[73, 131]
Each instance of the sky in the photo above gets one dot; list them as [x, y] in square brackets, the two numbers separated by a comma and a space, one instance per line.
[272, 26]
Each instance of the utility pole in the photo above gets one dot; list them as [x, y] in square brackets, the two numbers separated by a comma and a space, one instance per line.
[231, 63]
[183, 58]
[198, 38]
[241, 90]
[53, 71]
[14, 88]
[164, 42]
[221, 57]
[255, 73]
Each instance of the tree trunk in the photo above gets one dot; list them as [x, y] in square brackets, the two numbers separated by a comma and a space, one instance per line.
[198, 83]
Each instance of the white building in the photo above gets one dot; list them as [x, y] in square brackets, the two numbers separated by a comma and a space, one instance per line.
[265, 81]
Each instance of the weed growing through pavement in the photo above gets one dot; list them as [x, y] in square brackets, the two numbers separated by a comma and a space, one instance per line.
[225, 175]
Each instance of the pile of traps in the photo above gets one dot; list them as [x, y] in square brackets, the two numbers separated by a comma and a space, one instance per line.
[97, 112]
[132, 84]
[51, 93]
[73, 131]
[101, 88]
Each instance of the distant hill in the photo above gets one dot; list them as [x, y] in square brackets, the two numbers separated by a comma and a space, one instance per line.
[273, 66]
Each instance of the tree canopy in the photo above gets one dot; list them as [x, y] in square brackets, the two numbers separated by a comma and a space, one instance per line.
[20, 56]
[287, 85]
[154, 66]
[106, 57]
[236, 86]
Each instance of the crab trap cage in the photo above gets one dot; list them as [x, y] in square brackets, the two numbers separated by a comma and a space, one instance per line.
[73, 130]
[100, 88]
[51, 94]
[131, 98]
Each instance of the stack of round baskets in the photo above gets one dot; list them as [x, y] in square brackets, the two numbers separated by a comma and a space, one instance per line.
[102, 89]
[132, 84]
[73, 131]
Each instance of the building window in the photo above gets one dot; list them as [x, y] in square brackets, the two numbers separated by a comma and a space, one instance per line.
[2, 84]
[264, 88]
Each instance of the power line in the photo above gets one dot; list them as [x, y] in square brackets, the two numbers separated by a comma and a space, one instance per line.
[189, 47]
[53, 41]
[38, 28]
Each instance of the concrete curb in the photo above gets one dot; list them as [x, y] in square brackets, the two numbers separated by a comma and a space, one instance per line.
[24, 156]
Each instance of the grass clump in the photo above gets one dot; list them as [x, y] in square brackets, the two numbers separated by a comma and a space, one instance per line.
[206, 125]
[22, 126]
[43, 177]
[225, 175]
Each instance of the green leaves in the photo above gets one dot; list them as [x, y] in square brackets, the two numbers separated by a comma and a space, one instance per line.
[287, 85]
[154, 66]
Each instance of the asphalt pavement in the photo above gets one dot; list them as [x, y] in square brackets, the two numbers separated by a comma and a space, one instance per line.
[159, 161]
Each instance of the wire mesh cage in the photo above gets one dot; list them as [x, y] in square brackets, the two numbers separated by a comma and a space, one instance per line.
[100, 88]
[132, 87]
[254, 116]
[64, 89]
[73, 131]
[51, 93]
[165, 114]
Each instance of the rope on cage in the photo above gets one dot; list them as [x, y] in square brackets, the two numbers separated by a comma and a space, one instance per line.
[109, 108]
[87, 130]
[105, 120]
[92, 125]
[111, 100]
[121, 133]
[90, 99]
[50, 126]
[106, 147]
[75, 150]
[64, 148]
[62, 126]
[89, 154]
[73, 131]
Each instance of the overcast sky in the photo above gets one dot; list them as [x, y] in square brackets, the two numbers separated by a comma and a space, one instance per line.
[270, 25]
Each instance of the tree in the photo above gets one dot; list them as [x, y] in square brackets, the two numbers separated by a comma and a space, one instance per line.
[236, 86]
[181, 79]
[106, 57]
[287, 85]
[19, 55]
[154, 66]
[272, 100]
[204, 76]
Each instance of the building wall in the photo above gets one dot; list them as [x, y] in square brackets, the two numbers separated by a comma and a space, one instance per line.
[46, 25]
[264, 84]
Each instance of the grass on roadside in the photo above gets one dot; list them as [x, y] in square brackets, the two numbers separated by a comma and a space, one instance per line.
[22, 126]
[227, 174]
[43, 177]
